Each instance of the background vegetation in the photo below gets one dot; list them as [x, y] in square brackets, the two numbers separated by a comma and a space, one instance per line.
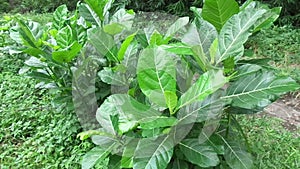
[290, 12]
[37, 6]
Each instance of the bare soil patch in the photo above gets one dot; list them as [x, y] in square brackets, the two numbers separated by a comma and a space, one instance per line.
[287, 108]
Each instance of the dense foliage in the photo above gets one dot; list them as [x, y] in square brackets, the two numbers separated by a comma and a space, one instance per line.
[290, 13]
[172, 6]
[39, 6]
[173, 96]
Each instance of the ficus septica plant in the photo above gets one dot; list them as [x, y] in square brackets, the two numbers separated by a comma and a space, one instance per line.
[167, 101]
[175, 99]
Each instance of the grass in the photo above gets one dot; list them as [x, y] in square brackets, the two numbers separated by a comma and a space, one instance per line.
[33, 134]
[271, 144]
[281, 46]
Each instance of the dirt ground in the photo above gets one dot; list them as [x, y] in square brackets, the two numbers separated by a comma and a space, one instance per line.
[287, 108]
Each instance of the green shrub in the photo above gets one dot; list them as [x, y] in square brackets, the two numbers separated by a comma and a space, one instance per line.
[161, 118]
[39, 6]
[53, 48]
[181, 8]
[4, 6]
[290, 11]
[290, 8]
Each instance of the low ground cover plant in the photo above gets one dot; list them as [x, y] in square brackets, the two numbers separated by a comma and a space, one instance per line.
[170, 98]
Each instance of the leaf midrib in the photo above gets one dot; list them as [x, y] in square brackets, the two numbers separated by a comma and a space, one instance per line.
[191, 148]
[253, 91]
[235, 39]
[155, 152]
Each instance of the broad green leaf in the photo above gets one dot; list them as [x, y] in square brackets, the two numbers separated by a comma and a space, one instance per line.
[103, 42]
[36, 52]
[131, 59]
[184, 75]
[35, 62]
[64, 37]
[179, 164]
[229, 65]
[171, 100]
[257, 90]
[15, 35]
[201, 111]
[156, 74]
[202, 155]
[106, 8]
[88, 14]
[108, 76]
[115, 122]
[202, 34]
[113, 28]
[201, 58]
[178, 48]
[197, 12]
[129, 110]
[80, 32]
[247, 69]
[246, 4]
[148, 133]
[40, 76]
[213, 51]
[156, 39]
[87, 134]
[125, 45]
[236, 157]
[175, 27]
[153, 153]
[236, 32]
[114, 162]
[94, 156]
[253, 5]
[30, 33]
[217, 12]
[267, 20]
[143, 37]
[214, 141]
[67, 54]
[200, 37]
[207, 83]
[157, 122]
[128, 154]
[211, 107]
[124, 18]
[60, 16]
[105, 140]
[98, 7]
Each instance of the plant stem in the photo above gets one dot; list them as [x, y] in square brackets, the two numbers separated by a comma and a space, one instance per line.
[228, 125]
[239, 128]
[54, 77]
